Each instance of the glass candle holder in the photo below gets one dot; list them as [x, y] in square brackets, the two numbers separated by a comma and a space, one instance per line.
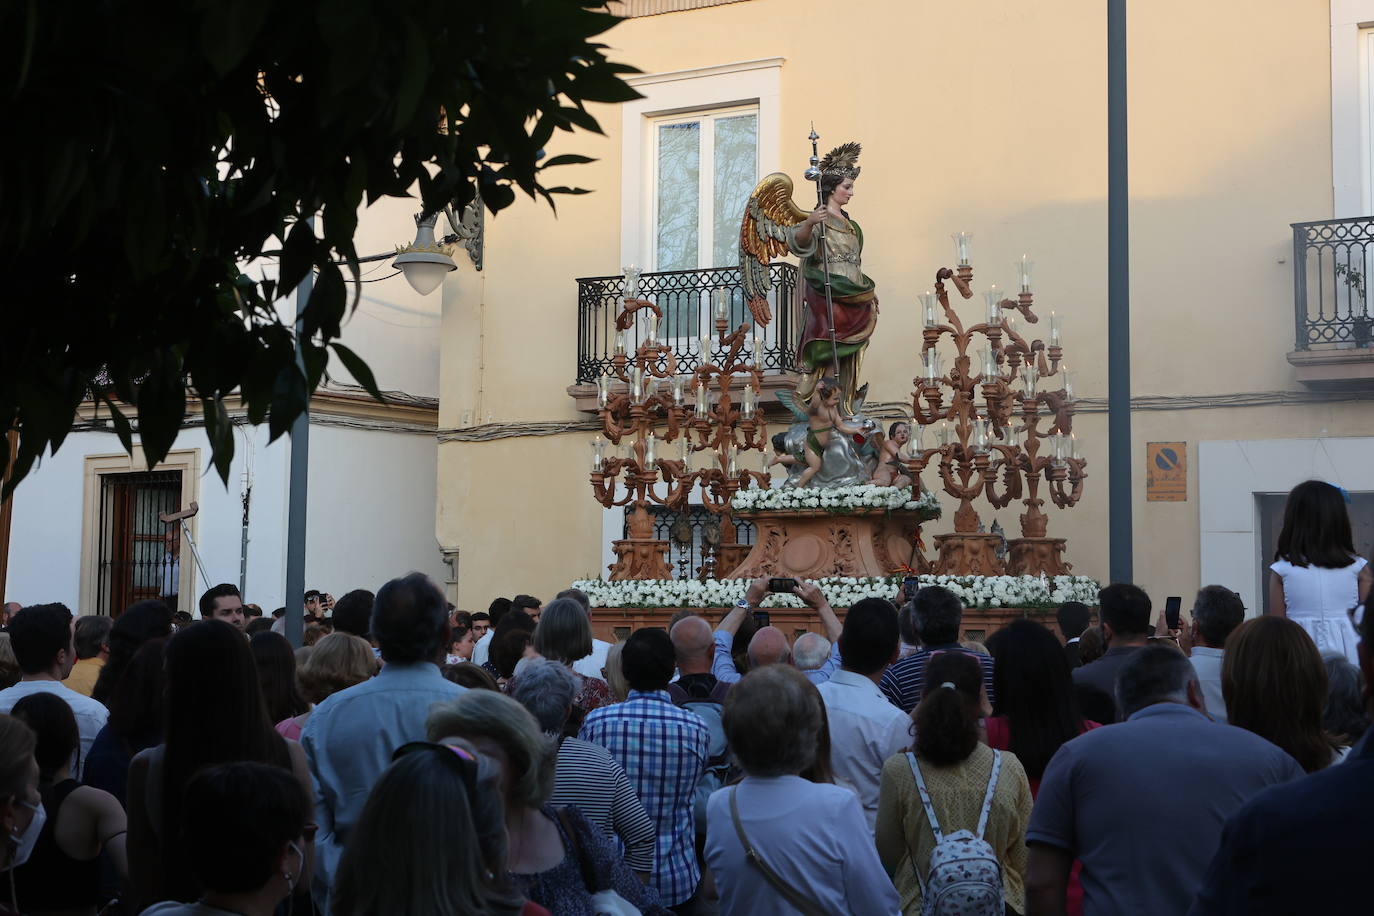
[962, 243]
[929, 308]
[993, 297]
[1023, 270]
[630, 276]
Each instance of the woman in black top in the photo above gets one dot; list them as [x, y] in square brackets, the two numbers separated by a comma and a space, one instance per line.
[63, 872]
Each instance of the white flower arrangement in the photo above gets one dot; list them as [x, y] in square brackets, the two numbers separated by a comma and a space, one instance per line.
[835, 499]
[843, 591]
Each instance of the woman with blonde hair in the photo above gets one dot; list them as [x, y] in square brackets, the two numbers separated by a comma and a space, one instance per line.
[430, 840]
[1274, 684]
[556, 857]
[615, 674]
[336, 662]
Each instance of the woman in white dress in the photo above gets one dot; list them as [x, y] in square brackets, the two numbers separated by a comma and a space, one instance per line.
[1317, 576]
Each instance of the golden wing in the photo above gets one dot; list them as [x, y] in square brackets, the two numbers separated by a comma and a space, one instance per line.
[768, 215]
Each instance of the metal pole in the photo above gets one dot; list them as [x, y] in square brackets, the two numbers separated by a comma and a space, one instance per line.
[296, 500]
[1119, 446]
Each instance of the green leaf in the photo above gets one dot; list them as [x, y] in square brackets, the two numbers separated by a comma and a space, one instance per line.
[567, 159]
[358, 369]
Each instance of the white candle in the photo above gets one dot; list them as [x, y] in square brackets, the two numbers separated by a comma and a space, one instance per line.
[651, 451]
[747, 409]
[1054, 330]
[721, 300]
[619, 342]
[603, 389]
[651, 330]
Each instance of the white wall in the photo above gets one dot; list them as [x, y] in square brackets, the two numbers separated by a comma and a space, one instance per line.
[370, 516]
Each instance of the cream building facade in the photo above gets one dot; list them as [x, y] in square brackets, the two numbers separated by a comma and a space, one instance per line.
[981, 117]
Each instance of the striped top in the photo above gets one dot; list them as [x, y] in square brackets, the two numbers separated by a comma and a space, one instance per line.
[587, 776]
[904, 680]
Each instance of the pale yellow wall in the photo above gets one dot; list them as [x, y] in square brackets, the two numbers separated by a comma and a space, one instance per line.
[977, 116]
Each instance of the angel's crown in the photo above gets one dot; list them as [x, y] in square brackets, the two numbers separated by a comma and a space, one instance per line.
[843, 160]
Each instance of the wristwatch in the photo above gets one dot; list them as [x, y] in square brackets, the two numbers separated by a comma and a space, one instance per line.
[743, 604]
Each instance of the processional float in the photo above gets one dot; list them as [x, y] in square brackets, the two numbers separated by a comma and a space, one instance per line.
[1004, 433]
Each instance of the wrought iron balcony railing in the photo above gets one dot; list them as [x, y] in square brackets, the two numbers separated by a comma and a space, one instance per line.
[1333, 261]
[688, 303]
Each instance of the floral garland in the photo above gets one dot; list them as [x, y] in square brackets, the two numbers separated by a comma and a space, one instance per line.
[843, 591]
[835, 499]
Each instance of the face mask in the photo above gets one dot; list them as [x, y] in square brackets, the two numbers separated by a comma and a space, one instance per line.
[29, 838]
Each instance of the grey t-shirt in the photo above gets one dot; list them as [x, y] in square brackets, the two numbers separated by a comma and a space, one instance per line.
[1142, 804]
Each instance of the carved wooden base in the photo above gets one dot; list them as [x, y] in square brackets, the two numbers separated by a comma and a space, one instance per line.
[640, 558]
[729, 557]
[1032, 556]
[812, 544]
[968, 555]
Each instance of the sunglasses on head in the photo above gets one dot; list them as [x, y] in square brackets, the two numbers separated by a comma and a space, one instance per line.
[463, 759]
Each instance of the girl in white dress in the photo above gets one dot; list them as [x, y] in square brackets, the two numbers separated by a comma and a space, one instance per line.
[1317, 577]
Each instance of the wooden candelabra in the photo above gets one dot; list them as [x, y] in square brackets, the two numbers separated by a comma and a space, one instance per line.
[722, 428]
[979, 452]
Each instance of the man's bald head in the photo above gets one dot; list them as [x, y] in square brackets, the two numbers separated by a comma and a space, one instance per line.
[810, 651]
[692, 645]
[768, 647]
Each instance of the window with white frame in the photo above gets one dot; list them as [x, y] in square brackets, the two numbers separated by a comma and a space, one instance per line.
[704, 165]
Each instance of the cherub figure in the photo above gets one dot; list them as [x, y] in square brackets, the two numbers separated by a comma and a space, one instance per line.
[780, 454]
[891, 472]
[822, 419]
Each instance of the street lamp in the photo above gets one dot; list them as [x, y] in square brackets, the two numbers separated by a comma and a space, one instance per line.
[424, 261]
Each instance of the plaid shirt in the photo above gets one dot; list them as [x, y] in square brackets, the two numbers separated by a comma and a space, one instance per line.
[663, 750]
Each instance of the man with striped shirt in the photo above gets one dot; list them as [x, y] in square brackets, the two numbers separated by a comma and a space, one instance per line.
[939, 614]
[663, 749]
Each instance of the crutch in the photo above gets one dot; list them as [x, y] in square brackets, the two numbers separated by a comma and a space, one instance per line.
[181, 517]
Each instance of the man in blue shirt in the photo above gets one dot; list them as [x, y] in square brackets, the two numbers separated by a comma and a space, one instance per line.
[1302, 847]
[1141, 804]
[939, 614]
[349, 738]
[663, 749]
[769, 644]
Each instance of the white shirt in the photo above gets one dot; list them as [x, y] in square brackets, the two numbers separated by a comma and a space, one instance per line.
[865, 730]
[482, 648]
[1207, 663]
[91, 715]
[811, 835]
[591, 665]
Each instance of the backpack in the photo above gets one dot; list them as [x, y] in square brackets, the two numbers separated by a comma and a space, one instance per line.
[717, 770]
[964, 876]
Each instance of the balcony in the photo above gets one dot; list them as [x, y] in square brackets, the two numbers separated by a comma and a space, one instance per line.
[1333, 262]
[687, 300]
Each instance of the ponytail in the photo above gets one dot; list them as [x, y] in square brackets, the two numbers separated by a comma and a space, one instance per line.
[947, 716]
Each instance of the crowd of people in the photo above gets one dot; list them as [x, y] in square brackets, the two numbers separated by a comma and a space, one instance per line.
[415, 758]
